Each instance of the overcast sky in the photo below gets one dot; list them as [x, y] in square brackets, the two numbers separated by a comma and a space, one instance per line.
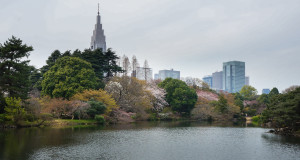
[192, 36]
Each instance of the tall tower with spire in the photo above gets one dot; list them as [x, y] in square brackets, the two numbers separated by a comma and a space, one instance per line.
[98, 37]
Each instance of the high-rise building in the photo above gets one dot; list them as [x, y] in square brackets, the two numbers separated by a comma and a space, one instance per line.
[266, 91]
[247, 80]
[208, 80]
[98, 37]
[163, 74]
[144, 73]
[217, 80]
[233, 76]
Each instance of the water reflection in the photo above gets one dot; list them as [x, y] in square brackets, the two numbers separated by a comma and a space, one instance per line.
[147, 140]
[272, 138]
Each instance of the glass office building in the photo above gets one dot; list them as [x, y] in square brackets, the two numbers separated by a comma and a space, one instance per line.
[233, 76]
[208, 80]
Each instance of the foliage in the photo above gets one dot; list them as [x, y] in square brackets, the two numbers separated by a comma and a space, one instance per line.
[274, 92]
[232, 107]
[55, 55]
[248, 92]
[35, 79]
[14, 70]
[291, 88]
[157, 96]
[100, 119]
[203, 112]
[284, 110]
[14, 111]
[221, 105]
[33, 107]
[97, 95]
[256, 119]
[67, 77]
[264, 99]
[196, 83]
[61, 108]
[249, 111]
[130, 94]
[179, 95]
[96, 108]
[102, 63]
[2, 119]
[2, 103]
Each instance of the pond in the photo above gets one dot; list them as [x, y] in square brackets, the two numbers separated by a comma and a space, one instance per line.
[148, 140]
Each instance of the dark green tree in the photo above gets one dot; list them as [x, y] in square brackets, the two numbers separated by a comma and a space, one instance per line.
[273, 92]
[264, 99]
[14, 70]
[284, 110]
[55, 55]
[110, 64]
[35, 79]
[96, 58]
[67, 77]
[96, 108]
[2, 103]
[180, 97]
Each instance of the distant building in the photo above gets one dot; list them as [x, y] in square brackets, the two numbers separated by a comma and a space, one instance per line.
[233, 76]
[208, 80]
[217, 80]
[98, 37]
[156, 76]
[247, 80]
[266, 91]
[163, 74]
[144, 73]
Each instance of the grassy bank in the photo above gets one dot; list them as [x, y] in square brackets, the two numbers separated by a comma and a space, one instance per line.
[70, 122]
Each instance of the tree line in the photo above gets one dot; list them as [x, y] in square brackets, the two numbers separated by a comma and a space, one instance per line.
[92, 84]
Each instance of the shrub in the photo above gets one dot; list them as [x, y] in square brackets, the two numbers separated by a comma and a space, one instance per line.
[256, 119]
[98, 95]
[96, 108]
[100, 119]
[14, 111]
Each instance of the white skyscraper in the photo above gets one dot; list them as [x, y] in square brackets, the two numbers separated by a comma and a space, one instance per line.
[98, 37]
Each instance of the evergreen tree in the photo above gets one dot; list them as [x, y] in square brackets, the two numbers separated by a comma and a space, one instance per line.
[284, 110]
[110, 65]
[67, 77]
[273, 92]
[55, 55]
[14, 70]
[179, 95]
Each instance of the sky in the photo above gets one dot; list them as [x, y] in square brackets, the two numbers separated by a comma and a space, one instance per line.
[192, 36]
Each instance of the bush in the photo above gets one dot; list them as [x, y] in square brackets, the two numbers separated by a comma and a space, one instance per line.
[14, 111]
[96, 108]
[100, 119]
[256, 119]
[100, 96]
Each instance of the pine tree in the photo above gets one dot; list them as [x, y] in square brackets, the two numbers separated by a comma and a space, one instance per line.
[14, 70]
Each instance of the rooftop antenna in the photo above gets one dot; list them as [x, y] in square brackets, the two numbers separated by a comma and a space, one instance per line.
[98, 8]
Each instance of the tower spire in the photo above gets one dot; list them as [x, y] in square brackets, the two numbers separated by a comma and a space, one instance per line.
[98, 8]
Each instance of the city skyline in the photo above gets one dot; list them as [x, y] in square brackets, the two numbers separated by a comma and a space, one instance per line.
[264, 34]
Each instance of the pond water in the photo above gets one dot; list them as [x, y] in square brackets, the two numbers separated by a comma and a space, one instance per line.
[149, 141]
